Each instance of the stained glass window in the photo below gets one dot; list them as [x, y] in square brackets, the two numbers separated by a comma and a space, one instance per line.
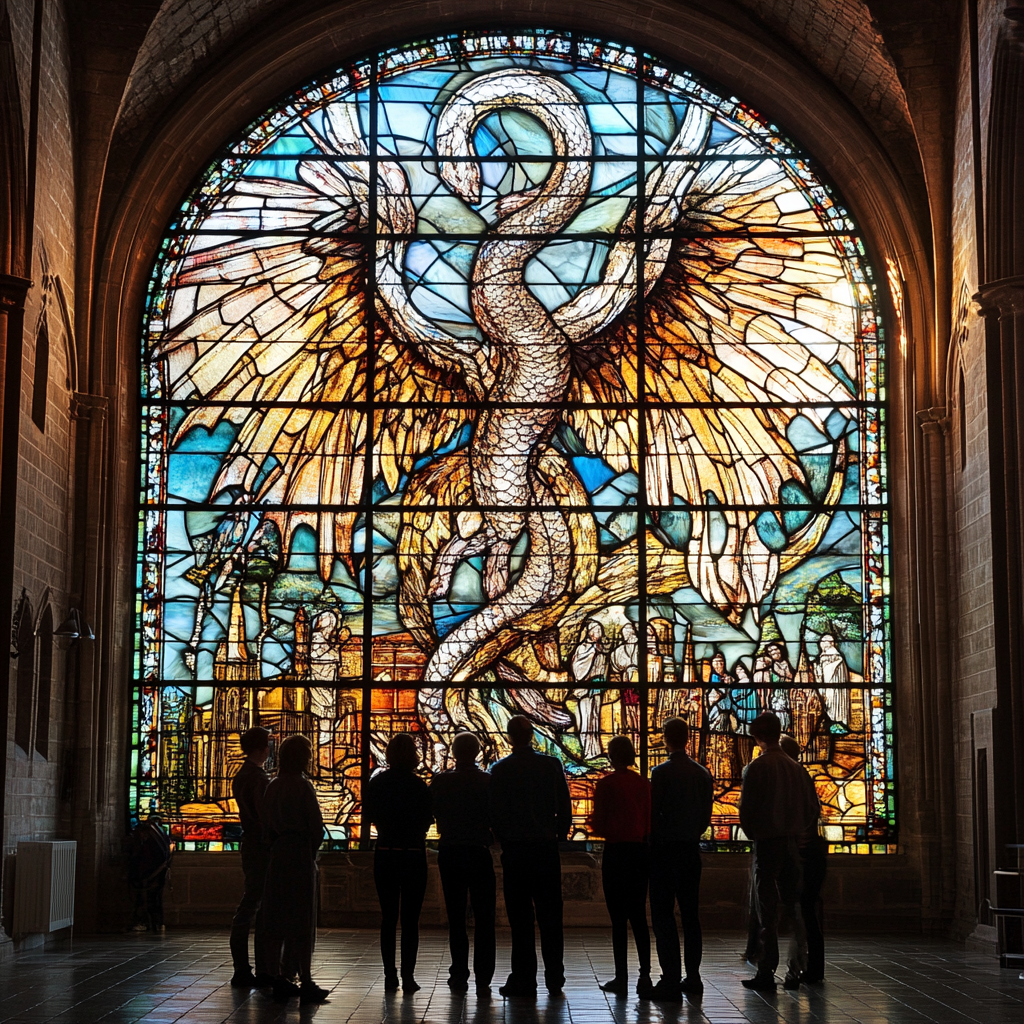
[512, 374]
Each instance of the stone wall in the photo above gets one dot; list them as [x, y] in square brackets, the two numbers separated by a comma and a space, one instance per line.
[872, 893]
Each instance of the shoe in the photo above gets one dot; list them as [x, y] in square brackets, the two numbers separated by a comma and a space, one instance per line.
[555, 993]
[667, 992]
[806, 978]
[283, 990]
[458, 986]
[791, 981]
[483, 991]
[310, 992]
[692, 986]
[512, 990]
[244, 979]
[409, 984]
[760, 983]
[644, 986]
[140, 928]
[616, 987]
[390, 982]
[263, 980]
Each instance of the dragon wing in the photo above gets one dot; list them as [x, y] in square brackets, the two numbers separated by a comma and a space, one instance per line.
[267, 325]
[742, 335]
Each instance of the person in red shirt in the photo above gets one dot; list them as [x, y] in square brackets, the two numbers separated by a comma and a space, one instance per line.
[622, 815]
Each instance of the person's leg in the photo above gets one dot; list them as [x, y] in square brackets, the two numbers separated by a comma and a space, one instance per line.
[517, 886]
[547, 898]
[254, 869]
[753, 950]
[414, 887]
[386, 879]
[768, 857]
[482, 891]
[789, 898]
[690, 868]
[663, 912]
[815, 865]
[615, 882]
[636, 900]
[155, 902]
[452, 866]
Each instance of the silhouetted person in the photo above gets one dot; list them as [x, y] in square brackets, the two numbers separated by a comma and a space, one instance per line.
[149, 860]
[398, 803]
[814, 865]
[461, 801]
[681, 802]
[247, 787]
[294, 826]
[531, 813]
[778, 804]
[622, 816]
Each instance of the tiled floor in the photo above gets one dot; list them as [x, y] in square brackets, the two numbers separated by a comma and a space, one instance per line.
[183, 976]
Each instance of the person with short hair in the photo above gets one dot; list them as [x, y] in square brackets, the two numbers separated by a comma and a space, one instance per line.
[294, 826]
[622, 816]
[461, 801]
[248, 787]
[778, 804]
[397, 801]
[149, 861]
[531, 812]
[682, 796]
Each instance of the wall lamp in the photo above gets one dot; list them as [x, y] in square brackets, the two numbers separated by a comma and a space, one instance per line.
[74, 627]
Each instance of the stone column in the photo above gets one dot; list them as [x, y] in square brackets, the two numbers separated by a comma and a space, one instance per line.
[1001, 303]
[12, 321]
[935, 699]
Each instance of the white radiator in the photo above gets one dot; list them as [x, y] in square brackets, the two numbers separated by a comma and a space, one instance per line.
[44, 887]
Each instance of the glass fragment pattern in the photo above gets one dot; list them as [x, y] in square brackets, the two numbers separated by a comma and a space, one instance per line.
[512, 374]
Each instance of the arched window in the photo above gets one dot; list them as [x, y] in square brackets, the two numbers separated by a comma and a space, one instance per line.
[445, 419]
[44, 675]
[26, 677]
[41, 376]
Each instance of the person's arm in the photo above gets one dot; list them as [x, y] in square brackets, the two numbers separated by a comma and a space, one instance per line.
[748, 798]
[314, 817]
[426, 810]
[645, 806]
[498, 803]
[370, 803]
[657, 801]
[707, 800]
[599, 815]
[563, 812]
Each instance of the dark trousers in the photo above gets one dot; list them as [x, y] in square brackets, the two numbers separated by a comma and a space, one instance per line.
[533, 881]
[467, 872]
[624, 879]
[777, 885]
[255, 858]
[675, 878]
[149, 902]
[401, 880]
[814, 860]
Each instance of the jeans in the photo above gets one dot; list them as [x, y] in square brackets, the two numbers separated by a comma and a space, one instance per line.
[777, 882]
[675, 877]
[255, 858]
[467, 871]
[624, 879]
[533, 880]
[401, 880]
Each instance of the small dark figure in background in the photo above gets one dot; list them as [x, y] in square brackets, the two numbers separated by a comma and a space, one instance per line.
[531, 812]
[462, 809]
[681, 803]
[398, 803]
[814, 864]
[149, 861]
[778, 804]
[247, 787]
[294, 826]
[622, 815]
